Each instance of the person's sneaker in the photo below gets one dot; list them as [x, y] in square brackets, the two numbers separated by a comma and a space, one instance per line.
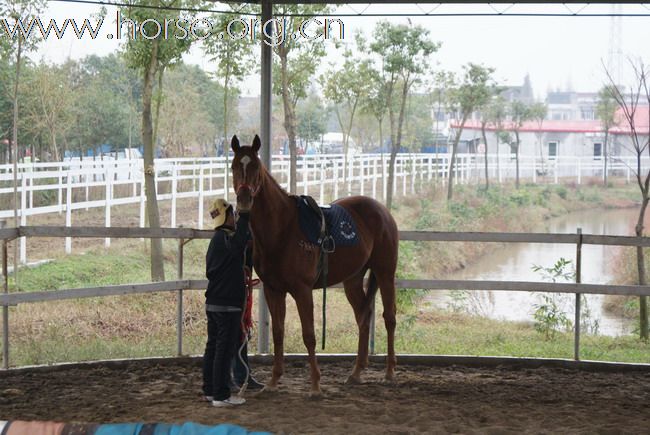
[232, 400]
[208, 398]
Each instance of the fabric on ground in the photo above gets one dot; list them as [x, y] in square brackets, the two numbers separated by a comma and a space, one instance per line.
[18, 427]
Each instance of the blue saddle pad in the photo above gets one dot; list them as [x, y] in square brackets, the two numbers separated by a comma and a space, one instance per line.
[340, 224]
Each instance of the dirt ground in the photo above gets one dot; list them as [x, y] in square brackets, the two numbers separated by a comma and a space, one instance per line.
[423, 399]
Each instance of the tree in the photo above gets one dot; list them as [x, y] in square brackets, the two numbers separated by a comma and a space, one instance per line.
[493, 113]
[638, 122]
[294, 67]
[537, 112]
[346, 88]
[404, 52]
[52, 104]
[151, 55]
[312, 118]
[606, 113]
[234, 59]
[519, 113]
[473, 91]
[180, 133]
[15, 47]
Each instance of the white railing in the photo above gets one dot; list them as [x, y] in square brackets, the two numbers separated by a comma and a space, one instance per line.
[74, 185]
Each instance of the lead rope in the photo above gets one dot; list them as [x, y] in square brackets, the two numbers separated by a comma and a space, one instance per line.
[249, 283]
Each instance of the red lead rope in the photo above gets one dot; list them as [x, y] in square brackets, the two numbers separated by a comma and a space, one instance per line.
[248, 313]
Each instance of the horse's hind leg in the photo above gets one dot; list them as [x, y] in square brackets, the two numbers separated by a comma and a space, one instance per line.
[357, 298]
[388, 296]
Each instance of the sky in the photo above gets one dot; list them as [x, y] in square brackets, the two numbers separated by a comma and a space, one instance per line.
[557, 52]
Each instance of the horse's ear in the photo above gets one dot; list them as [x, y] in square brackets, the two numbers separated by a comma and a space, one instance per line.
[257, 143]
[234, 143]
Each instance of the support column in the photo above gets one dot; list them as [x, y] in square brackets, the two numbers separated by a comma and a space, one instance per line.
[265, 135]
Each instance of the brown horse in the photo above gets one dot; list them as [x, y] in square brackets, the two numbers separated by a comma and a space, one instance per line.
[287, 263]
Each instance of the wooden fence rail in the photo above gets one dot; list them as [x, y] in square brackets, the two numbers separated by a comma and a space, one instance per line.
[185, 234]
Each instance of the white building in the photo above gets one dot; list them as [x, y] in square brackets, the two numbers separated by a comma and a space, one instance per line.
[556, 137]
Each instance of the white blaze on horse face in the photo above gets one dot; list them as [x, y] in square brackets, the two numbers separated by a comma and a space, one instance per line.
[244, 162]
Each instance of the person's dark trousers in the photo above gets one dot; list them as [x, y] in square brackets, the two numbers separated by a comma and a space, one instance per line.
[223, 334]
[239, 369]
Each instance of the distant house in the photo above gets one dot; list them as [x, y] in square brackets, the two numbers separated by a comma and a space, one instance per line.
[553, 138]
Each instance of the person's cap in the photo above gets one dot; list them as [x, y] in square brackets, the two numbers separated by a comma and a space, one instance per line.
[219, 211]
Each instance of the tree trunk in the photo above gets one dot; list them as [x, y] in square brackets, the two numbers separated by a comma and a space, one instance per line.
[487, 175]
[605, 157]
[454, 148]
[640, 263]
[396, 141]
[226, 84]
[517, 158]
[156, 122]
[289, 123]
[498, 164]
[157, 265]
[345, 145]
[14, 138]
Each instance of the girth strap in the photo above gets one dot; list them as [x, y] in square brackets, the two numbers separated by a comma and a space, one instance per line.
[326, 243]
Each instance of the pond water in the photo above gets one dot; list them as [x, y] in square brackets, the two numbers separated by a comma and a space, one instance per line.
[515, 261]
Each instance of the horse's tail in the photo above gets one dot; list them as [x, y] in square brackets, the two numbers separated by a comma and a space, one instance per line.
[368, 305]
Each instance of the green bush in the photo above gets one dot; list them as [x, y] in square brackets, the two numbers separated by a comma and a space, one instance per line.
[561, 191]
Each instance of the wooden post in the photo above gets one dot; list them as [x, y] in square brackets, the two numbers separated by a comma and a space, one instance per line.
[174, 194]
[576, 341]
[579, 169]
[335, 178]
[200, 216]
[68, 212]
[179, 301]
[5, 309]
[384, 179]
[88, 189]
[374, 177]
[60, 198]
[225, 181]
[322, 182]
[362, 175]
[107, 207]
[350, 172]
[305, 176]
[23, 218]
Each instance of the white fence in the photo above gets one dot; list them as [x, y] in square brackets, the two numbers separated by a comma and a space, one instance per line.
[68, 186]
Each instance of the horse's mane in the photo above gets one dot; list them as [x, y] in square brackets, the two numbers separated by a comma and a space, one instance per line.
[268, 177]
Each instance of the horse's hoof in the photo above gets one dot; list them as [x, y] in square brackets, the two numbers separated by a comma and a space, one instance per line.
[269, 389]
[353, 380]
[389, 379]
[315, 395]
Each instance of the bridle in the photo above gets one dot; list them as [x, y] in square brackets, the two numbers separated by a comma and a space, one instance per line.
[254, 191]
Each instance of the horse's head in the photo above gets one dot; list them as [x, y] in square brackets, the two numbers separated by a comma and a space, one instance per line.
[246, 171]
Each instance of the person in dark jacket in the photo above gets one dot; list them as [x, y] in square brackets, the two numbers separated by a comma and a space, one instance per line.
[224, 301]
[240, 367]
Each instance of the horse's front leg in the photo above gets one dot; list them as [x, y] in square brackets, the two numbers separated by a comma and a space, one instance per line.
[305, 304]
[277, 307]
